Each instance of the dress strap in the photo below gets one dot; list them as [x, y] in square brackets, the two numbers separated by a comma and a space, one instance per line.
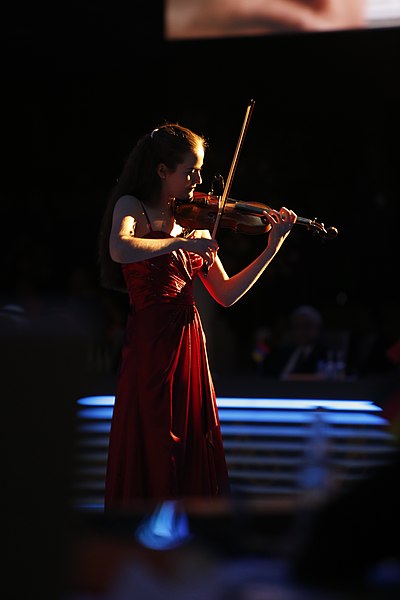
[146, 215]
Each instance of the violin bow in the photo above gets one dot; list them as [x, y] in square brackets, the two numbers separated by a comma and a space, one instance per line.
[224, 196]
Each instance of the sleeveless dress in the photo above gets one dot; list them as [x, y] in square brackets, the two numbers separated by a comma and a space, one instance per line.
[165, 439]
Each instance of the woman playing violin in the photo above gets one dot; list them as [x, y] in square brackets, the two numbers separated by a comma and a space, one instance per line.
[165, 439]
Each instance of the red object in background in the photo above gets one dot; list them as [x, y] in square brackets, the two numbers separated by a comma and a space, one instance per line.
[393, 353]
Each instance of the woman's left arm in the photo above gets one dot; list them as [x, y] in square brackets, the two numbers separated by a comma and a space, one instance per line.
[228, 290]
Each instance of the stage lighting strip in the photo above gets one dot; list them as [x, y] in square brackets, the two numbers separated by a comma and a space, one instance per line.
[278, 424]
[270, 403]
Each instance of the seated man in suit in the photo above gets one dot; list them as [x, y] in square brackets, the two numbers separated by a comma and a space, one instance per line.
[304, 353]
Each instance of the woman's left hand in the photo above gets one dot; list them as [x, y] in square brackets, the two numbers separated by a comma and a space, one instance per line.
[281, 223]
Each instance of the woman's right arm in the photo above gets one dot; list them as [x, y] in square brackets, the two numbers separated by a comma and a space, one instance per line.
[126, 248]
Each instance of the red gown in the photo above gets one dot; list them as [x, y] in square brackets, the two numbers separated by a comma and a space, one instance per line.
[165, 439]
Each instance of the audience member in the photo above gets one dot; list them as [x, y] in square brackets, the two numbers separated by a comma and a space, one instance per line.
[303, 354]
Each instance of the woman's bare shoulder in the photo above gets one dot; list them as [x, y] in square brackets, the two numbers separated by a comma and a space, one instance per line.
[128, 201]
[127, 205]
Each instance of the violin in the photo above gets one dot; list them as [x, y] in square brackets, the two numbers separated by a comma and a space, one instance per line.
[242, 217]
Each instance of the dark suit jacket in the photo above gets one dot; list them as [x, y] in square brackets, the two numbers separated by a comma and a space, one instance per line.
[275, 362]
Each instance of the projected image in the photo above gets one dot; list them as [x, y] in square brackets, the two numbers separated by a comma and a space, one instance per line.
[199, 19]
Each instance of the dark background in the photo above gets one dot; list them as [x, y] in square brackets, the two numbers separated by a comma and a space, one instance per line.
[82, 81]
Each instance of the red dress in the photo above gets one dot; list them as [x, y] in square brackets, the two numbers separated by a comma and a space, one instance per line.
[165, 439]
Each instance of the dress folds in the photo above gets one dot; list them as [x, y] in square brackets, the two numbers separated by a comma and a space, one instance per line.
[165, 439]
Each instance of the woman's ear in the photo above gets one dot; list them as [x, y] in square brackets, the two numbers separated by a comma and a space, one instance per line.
[162, 170]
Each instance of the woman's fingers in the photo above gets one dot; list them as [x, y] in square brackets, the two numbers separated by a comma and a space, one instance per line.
[206, 248]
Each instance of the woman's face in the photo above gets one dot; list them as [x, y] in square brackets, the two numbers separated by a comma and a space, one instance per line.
[182, 182]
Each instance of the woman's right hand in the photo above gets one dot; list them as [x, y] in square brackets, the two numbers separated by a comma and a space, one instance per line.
[207, 248]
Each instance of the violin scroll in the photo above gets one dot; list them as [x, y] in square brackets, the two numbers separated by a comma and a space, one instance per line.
[318, 228]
